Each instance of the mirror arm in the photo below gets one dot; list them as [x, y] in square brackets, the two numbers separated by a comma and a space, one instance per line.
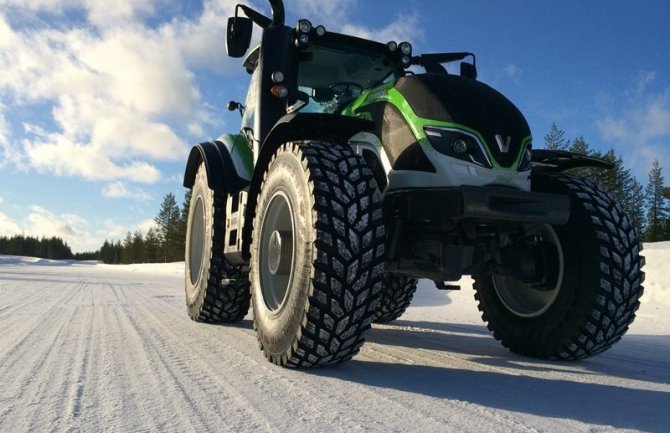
[256, 17]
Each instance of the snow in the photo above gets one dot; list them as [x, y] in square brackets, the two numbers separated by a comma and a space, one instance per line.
[91, 347]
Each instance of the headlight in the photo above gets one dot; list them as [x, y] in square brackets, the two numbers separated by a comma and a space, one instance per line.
[392, 46]
[457, 144]
[406, 48]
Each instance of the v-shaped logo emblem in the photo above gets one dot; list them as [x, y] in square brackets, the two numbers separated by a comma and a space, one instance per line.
[503, 145]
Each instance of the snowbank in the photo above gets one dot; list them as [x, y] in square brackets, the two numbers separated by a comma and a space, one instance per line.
[34, 261]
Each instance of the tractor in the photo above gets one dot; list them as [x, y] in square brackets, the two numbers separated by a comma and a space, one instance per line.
[360, 167]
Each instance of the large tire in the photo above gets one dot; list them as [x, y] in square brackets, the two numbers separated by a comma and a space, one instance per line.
[396, 295]
[216, 291]
[317, 255]
[595, 293]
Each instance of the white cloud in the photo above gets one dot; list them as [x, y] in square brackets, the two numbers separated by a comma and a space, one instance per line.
[72, 228]
[58, 156]
[120, 190]
[329, 13]
[404, 28]
[644, 79]
[114, 90]
[112, 230]
[340, 16]
[99, 12]
[42, 222]
[9, 154]
[2, 200]
[639, 124]
[8, 226]
[512, 71]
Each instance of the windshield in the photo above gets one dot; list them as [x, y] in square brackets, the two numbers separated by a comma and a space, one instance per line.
[334, 74]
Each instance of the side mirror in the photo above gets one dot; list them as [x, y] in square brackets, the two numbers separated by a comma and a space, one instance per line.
[468, 70]
[239, 36]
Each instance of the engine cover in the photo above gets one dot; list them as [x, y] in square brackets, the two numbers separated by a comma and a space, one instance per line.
[469, 103]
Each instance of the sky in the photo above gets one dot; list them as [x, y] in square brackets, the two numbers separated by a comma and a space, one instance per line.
[101, 101]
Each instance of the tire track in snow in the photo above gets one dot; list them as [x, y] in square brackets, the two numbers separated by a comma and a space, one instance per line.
[117, 352]
[47, 327]
[275, 381]
[81, 362]
[44, 374]
[31, 320]
[172, 333]
[312, 398]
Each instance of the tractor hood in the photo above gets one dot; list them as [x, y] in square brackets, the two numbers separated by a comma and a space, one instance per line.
[471, 104]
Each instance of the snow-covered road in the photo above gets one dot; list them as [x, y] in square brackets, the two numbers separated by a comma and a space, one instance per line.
[86, 347]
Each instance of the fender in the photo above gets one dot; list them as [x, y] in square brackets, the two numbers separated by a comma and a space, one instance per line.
[545, 160]
[228, 161]
[297, 127]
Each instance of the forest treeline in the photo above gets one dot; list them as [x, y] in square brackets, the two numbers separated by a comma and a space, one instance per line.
[162, 243]
[165, 242]
[648, 206]
[46, 248]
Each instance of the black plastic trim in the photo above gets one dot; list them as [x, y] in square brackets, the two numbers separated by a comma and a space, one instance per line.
[221, 173]
[485, 203]
[545, 160]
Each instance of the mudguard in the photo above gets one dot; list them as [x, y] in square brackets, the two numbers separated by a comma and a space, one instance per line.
[545, 160]
[228, 160]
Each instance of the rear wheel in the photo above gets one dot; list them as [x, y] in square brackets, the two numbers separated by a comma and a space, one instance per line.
[396, 295]
[216, 291]
[317, 255]
[594, 284]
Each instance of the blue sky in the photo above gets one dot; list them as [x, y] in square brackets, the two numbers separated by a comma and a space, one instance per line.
[100, 101]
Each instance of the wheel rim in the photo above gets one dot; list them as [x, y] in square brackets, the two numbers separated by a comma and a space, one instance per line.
[196, 244]
[521, 298]
[276, 255]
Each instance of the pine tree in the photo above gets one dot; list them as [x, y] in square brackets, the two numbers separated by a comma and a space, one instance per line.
[635, 206]
[127, 254]
[167, 222]
[118, 252]
[152, 246]
[138, 248]
[657, 209]
[579, 145]
[555, 139]
[183, 221]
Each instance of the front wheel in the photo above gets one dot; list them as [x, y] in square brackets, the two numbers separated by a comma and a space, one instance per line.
[592, 290]
[317, 255]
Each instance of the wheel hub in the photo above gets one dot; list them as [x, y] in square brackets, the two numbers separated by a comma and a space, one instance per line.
[280, 252]
[276, 253]
[197, 242]
[532, 300]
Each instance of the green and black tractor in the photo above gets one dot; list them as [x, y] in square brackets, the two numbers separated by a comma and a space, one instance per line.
[359, 168]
